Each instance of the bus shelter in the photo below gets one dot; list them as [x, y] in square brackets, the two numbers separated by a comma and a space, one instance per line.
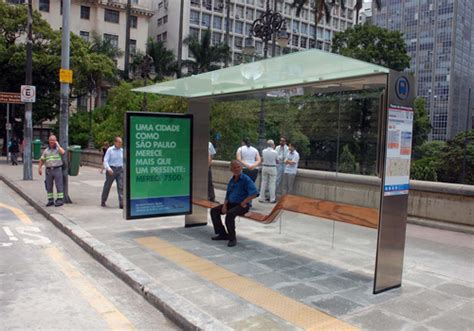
[315, 73]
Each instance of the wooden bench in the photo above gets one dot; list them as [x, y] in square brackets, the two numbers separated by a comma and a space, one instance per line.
[333, 211]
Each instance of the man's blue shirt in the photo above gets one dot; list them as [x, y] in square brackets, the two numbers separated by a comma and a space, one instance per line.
[238, 191]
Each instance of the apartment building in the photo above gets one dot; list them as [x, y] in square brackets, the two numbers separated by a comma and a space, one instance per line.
[200, 15]
[106, 18]
[439, 35]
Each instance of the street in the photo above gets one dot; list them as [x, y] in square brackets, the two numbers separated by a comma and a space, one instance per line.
[48, 282]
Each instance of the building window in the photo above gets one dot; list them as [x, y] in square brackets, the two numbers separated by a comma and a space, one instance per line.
[239, 27]
[165, 19]
[44, 5]
[238, 42]
[194, 33]
[85, 12]
[133, 22]
[133, 46]
[216, 38]
[164, 36]
[111, 16]
[194, 18]
[112, 39]
[294, 40]
[84, 35]
[206, 20]
[217, 22]
[160, 22]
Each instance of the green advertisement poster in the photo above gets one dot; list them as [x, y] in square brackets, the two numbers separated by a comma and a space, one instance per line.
[159, 164]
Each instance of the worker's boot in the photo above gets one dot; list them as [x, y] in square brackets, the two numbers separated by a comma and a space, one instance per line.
[50, 203]
[59, 203]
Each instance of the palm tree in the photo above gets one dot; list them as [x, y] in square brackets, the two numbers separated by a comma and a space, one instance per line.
[163, 59]
[105, 46]
[206, 56]
[358, 7]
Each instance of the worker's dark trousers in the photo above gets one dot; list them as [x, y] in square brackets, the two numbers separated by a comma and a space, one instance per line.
[233, 210]
[54, 176]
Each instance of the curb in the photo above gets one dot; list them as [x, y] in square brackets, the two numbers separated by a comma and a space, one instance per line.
[179, 310]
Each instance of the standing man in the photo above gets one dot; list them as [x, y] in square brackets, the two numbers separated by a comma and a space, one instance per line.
[241, 190]
[13, 148]
[291, 168]
[269, 172]
[282, 151]
[211, 195]
[53, 162]
[113, 165]
[249, 157]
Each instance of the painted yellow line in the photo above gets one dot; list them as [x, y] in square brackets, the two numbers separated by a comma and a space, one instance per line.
[111, 315]
[280, 305]
[18, 213]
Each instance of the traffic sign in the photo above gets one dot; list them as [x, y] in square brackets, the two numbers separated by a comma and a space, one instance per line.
[8, 97]
[65, 76]
[28, 93]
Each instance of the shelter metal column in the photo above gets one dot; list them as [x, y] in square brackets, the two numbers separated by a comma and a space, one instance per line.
[395, 151]
[201, 114]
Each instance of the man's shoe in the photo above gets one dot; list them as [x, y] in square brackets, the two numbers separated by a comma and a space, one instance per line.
[50, 203]
[102, 204]
[220, 237]
[261, 201]
[58, 203]
[274, 201]
[232, 243]
[121, 207]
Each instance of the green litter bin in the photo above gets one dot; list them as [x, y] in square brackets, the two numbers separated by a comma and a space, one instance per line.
[36, 149]
[74, 159]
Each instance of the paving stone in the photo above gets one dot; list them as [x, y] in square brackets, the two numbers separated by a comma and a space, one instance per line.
[247, 269]
[466, 310]
[273, 279]
[414, 307]
[232, 313]
[450, 322]
[358, 276]
[457, 289]
[279, 263]
[424, 278]
[302, 273]
[336, 306]
[299, 291]
[378, 320]
[334, 283]
[262, 322]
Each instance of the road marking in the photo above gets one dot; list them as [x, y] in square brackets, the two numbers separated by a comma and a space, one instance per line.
[26, 231]
[282, 306]
[18, 213]
[112, 316]
[10, 234]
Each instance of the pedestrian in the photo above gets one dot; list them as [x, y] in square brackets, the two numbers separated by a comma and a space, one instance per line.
[14, 148]
[282, 151]
[211, 195]
[291, 168]
[249, 157]
[52, 160]
[105, 147]
[241, 190]
[269, 172]
[113, 165]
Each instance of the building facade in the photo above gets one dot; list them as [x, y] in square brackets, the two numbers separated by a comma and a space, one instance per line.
[439, 35]
[200, 15]
[106, 18]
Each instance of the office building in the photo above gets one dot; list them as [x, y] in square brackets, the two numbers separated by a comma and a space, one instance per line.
[439, 35]
[200, 15]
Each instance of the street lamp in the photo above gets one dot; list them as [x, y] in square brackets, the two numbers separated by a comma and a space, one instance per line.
[147, 70]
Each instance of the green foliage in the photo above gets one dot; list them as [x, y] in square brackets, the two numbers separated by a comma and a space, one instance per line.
[79, 129]
[421, 123]
[206, 56]
[373, 44]
[429, 149]
[347, 161]
[163, 59]
[425, 169]
[452, 159]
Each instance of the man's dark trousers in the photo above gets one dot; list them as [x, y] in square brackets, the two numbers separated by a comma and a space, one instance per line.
[109, 180]
[233, 210]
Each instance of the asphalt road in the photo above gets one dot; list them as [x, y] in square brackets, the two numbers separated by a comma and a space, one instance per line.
[48, 282]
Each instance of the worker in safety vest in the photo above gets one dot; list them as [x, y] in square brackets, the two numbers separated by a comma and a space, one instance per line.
[53, 162]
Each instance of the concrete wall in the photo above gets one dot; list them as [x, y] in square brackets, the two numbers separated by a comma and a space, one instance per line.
[438, 202]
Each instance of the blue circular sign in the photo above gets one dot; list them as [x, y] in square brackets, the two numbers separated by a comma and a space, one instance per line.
[402, 88]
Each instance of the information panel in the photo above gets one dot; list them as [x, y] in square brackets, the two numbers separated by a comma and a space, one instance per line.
[399, 137]
[158, 164]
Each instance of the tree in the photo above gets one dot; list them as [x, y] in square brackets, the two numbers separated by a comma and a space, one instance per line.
[347, 161]
[105, 46]
[421, 123]
[206, 56]
[164, 59]
[452, 158]
[373, 44]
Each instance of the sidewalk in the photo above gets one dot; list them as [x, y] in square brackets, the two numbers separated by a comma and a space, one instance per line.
[314, 274]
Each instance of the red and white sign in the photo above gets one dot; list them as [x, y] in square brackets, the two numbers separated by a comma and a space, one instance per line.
[28, 93]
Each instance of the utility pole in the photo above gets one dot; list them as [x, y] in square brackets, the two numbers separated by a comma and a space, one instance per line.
[464, 159]
[274, 34]
[180, 40]
[64, 102]
[227, 31]
[28, 136]
[126, 71]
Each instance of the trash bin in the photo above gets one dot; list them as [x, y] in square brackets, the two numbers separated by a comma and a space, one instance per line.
[74, 158]
[36, 149]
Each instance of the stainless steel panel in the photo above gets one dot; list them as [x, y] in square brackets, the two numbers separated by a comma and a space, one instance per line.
[393, 209]
[201, 113]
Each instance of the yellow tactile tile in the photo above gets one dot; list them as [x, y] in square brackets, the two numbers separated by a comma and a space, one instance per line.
[288, 309]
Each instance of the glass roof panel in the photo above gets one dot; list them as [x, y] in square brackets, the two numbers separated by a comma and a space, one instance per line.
[288, 70]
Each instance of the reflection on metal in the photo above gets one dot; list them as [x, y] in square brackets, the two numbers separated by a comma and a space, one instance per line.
[393, 209]
[201, 112]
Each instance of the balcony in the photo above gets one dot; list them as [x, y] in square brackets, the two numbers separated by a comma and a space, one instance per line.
[141, 8]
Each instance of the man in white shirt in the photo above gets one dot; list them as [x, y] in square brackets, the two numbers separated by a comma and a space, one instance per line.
[210, 186]
[250, 159]
[282, 151]
[113, 165]
[269, 172]
[291, 168]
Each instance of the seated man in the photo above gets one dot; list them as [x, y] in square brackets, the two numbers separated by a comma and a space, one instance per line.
[241, 190]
